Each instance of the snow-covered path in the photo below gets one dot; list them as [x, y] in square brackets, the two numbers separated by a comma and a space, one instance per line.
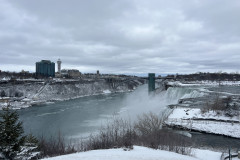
[138, 153]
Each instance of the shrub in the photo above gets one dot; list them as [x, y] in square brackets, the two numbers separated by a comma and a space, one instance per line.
[150, 134]
[118, 133]
[54, 146]
[146, 131]
[148, 123]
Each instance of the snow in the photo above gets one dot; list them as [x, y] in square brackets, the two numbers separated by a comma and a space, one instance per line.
[206, 83]
[206, 154]
[26, 100]
[107, 91]
[195, 113]
[5, 79]
[138, 153]
[178, 83]
[3, 105]
[189, 118]
[222, 128]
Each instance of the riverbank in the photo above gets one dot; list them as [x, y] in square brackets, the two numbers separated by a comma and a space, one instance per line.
[217, 111]
[209, 122]
[24, 94]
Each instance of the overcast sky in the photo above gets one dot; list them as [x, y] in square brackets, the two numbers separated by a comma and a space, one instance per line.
[121, 36]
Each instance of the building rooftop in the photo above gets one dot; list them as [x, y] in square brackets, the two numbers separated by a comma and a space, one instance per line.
[45, 61]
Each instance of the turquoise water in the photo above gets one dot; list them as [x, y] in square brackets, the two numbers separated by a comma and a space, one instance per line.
[73, 118]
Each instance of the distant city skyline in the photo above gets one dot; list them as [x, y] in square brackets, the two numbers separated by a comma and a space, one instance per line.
[132, 37]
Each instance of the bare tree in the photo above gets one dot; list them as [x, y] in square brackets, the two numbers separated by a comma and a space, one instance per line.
[148, 123]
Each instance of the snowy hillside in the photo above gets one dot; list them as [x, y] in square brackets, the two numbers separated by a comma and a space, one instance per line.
[209, 122]
[138, 153]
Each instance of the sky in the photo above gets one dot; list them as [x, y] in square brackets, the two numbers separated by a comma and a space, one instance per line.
[121, 36]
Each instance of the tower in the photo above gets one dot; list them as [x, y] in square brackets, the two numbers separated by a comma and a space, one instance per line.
[151, 82]
[98, 73]
[59, 62]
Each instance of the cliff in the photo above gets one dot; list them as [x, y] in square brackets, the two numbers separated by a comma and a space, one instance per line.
[22, 94]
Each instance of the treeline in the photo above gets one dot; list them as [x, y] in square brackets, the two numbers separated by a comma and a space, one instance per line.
[17, 75]
[207, 76]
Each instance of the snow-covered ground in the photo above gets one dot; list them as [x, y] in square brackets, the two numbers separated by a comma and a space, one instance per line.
[195, 113]
[205, 83]
[208, 122]
[138, 153]
[107, 91]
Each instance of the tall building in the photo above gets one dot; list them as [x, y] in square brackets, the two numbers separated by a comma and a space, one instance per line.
[45, 68]
[59, 62]
[151, 82]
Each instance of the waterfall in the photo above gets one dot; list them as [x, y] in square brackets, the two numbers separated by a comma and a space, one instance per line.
[140, 102]
[173, 94]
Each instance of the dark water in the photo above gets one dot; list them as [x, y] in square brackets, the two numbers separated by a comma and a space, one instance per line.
[214, 141]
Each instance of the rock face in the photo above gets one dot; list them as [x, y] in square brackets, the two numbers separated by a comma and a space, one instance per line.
[25, 94]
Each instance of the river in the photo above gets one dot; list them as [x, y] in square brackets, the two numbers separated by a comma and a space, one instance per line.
[79, 117]
[82, 116]
[73, 118]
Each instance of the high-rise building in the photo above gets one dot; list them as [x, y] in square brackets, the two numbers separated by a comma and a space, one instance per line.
[59, 62]
[45, 68]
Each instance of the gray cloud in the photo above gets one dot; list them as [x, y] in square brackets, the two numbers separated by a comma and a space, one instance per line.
[127, 36]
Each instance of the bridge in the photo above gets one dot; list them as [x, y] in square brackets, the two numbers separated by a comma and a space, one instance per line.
[161, 78]
[116, 82]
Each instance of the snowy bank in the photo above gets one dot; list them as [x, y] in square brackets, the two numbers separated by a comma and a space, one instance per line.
[138, 153]
[208, 122]
[203, 83]
[195, 113]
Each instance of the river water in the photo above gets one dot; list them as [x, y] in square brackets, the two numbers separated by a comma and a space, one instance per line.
[73, 118]
[79, 117]
[82, 116]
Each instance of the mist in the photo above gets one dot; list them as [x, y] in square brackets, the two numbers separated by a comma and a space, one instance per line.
[140, 101]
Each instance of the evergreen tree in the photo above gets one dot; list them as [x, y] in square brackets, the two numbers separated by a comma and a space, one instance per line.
[11, 131]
